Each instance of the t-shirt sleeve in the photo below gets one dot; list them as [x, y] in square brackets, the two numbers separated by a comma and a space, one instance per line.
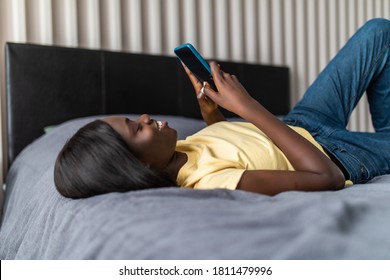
[223, 179]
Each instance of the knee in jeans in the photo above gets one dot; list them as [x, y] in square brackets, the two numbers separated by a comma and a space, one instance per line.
[377, 24]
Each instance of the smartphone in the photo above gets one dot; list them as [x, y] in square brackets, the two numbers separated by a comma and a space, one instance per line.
[195, 63]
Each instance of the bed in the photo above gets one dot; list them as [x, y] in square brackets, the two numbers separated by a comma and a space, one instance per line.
[52, 91]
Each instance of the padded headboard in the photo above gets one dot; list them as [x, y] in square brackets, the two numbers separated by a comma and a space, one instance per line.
[47, 85]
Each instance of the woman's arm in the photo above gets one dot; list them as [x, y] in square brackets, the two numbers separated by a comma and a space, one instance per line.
[314, 171]
[208, 108]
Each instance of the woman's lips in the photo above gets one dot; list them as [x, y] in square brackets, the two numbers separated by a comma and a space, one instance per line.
[159, 125]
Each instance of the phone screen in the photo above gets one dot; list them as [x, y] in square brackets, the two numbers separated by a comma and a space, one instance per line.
[195, 63]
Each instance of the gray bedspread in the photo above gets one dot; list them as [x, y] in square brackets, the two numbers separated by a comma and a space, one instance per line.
[174, 223]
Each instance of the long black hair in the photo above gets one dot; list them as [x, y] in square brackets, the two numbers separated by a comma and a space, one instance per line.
[97, 160]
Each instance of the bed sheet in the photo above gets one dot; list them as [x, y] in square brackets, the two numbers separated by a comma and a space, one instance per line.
[175, 223]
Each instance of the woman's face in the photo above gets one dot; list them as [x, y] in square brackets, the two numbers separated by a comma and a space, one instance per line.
[152, 142]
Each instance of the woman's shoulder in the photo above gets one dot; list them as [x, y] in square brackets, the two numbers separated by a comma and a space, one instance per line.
[224, 131]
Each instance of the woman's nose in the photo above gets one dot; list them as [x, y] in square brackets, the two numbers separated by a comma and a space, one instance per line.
[145, 118]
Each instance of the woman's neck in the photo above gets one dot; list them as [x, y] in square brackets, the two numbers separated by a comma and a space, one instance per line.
[177, 161]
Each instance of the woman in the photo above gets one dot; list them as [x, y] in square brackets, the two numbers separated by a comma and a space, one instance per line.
[311, 150]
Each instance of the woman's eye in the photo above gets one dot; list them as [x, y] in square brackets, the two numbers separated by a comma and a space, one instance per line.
[133, 125]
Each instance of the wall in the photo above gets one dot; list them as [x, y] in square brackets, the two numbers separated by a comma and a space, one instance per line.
[302, 34]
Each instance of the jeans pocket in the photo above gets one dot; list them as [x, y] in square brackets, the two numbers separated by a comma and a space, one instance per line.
[359, 172]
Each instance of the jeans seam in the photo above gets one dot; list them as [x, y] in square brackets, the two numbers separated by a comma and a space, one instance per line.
[376, 59]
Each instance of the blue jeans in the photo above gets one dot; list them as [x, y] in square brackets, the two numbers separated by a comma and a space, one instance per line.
[363, 64]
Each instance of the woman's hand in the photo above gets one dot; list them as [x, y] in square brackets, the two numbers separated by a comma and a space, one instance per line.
[231, 94]
[209, 109]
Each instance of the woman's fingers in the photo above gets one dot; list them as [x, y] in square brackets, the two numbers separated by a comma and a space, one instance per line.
[194, 80]
[216, 71]
[209, 92]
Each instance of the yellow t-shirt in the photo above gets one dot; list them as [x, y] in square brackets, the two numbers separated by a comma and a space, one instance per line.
[219, 154]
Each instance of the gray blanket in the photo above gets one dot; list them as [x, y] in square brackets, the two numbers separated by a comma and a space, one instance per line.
[174, 223]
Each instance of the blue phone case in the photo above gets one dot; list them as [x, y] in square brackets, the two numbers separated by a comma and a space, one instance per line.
[196, 53]
[195, 63]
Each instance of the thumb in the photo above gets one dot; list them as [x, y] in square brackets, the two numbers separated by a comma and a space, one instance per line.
[208, 91]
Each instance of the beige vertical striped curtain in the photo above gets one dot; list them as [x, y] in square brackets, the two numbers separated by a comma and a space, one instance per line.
[301, 34]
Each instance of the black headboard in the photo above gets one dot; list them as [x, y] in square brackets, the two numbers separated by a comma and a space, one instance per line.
[48, 85]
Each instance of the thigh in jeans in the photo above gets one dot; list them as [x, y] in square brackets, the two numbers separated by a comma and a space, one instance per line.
[364, 155]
